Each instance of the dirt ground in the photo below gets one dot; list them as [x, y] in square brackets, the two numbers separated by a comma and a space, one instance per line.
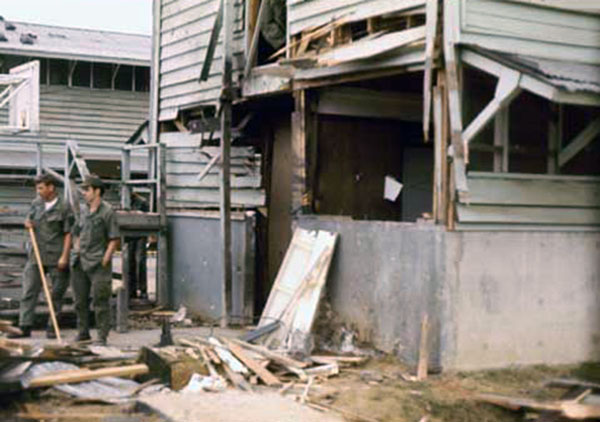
[375, 391]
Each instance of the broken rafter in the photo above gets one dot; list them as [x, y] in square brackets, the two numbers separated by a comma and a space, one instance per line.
[212, 44]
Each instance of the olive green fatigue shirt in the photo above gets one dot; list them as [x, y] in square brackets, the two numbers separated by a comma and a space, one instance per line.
[50, 227]
[95, 230]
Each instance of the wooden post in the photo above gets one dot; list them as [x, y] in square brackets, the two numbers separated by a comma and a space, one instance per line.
[251, 57]
[123, 294]
[438, 192]
[38, 259]
[554, 137]
[163, 288]
[444, 200]
[501, 140]
[225, 183]
[422, 367]
[304, 148]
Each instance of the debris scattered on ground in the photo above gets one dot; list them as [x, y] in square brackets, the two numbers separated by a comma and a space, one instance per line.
[580, 401]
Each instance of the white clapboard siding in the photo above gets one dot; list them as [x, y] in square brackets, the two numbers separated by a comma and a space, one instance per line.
[88, 116]
[186, 160]
[522, 199]
[185, 29]
[529, 30]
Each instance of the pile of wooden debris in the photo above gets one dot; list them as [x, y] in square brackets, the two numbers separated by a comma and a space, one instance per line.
[580, 401]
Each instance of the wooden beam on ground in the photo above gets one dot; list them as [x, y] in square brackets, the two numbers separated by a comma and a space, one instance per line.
[87, 375]
[582, 140]
[431, 16]
[275, 357]
[506, 90]
[263, 373]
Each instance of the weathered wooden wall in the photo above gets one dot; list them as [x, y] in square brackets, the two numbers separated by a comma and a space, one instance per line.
[511, 201]
[185, 29]
[186, 160]
[528, 29]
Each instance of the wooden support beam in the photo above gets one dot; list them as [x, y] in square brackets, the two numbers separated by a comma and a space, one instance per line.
[225, 182]
[126, 256]
[212, 44]
[582, 140]
[431, 13]
[163, 288]
[459, 172]
[555, 126]
[506, 90]
[439, 156]
[501, 140]
[251, 57]
[304, 149]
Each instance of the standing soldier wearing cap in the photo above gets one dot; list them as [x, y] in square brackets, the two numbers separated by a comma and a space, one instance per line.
[98, 238]
[51, 221]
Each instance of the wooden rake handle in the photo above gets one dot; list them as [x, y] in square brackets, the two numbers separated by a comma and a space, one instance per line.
[38, 258]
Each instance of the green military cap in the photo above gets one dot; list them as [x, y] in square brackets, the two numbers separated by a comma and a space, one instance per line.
[92, 181]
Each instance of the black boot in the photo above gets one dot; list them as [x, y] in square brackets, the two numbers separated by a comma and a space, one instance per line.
[83, 337]
[25, 333]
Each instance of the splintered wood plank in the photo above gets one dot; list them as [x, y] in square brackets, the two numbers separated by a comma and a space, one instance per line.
[423, 349]
[372, 47]
[263, 373]
[275, 357]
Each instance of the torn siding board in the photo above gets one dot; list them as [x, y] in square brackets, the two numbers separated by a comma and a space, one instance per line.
[184, 37]
[533, 200]
[530, 30]
[303, 14]
[186, 160]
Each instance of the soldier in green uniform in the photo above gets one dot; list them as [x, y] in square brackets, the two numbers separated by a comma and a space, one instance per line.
[51, 220]
[97, 238]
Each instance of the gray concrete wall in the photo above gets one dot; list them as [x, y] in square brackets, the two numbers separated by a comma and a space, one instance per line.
[384, 276]
[195, 264]
[514, 298]
[495, 299]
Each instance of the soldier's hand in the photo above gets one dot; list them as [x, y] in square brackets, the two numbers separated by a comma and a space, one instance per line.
[63, 263]
[106, 262]
[28, 224]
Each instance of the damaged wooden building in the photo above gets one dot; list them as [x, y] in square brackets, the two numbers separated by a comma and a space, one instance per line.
[452, 145]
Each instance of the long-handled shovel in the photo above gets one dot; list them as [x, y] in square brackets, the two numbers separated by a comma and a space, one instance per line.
[38, 258]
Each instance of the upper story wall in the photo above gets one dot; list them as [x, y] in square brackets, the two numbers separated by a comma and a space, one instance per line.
[305, 14]
[526, 29]
[184, 32]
